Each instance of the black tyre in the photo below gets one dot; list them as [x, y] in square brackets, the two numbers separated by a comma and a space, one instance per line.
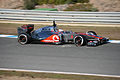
[91, 32]
[24, 38]
[80, 41]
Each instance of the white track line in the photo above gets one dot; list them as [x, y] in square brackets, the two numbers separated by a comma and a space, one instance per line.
[57, 72]
[8, 36]
[114, 41]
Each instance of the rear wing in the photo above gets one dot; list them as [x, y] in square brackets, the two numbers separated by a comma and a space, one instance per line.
[25, 29]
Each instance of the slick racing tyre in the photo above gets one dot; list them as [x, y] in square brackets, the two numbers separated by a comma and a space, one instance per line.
[24, 38]
[79, 41]
[91, 32]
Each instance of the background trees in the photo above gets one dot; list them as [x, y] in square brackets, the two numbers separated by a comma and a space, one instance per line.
[30, 4]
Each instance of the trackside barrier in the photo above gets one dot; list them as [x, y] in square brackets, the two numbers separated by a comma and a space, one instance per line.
[60, 16]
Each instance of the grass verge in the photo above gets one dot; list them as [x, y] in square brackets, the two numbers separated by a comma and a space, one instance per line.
[50, 76]
[111, 32]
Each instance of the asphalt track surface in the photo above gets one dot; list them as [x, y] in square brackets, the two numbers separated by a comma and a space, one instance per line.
[104, 59]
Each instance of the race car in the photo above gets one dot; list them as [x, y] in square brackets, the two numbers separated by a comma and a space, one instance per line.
[51, 34]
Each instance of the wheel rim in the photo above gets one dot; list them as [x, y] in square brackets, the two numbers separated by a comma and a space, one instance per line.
[79, 41]
[22, 39]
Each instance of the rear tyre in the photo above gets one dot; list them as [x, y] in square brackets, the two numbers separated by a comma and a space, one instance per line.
[91, 32]
[80, 41]
[24, 38]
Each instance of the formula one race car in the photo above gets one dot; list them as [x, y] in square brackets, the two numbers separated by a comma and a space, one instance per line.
[51, 34]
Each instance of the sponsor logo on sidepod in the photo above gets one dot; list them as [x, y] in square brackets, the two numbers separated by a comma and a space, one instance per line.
[56, 38]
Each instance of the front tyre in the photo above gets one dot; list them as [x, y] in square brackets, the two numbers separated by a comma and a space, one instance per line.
[24, 38]
[79, 41]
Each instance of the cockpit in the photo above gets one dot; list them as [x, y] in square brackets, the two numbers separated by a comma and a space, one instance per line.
[50, 28]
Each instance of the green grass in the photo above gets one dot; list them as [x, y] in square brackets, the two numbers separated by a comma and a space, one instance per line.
[54, 76]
